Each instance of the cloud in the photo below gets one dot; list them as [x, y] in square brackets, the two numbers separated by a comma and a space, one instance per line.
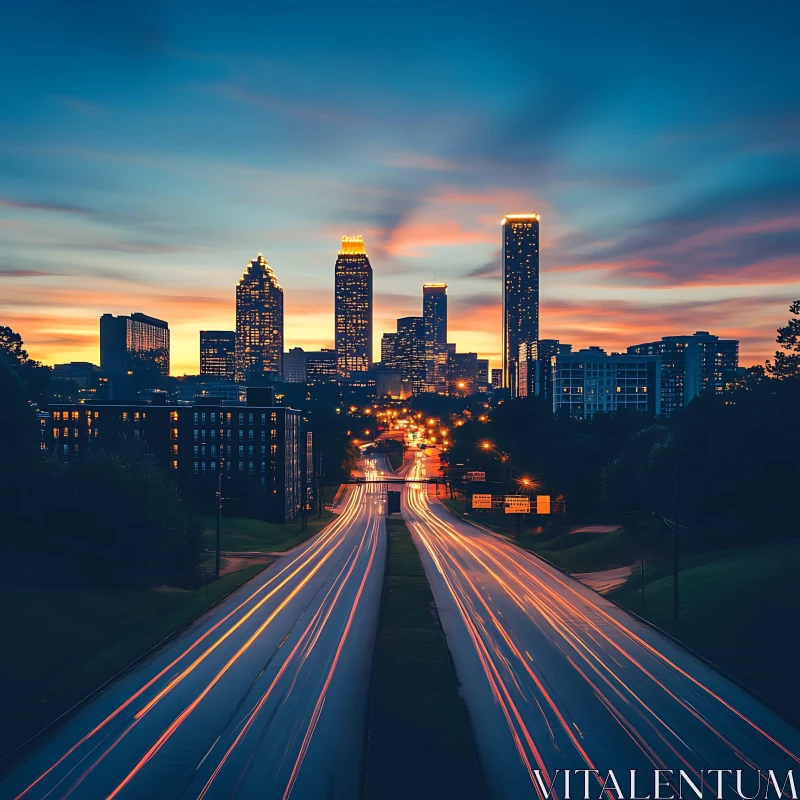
[44, 206]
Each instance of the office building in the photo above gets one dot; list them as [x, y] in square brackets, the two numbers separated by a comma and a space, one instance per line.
[483, 370]
[255, 442]
[218, 354]
[691, 365]
[322, 366]
[388, 351]
[312, 367]
[462, 373]
[535, 367]
[591, 381]
[410, 351]
[391, 384]
[497, 379]
[259, 322]
[137, 344]
[353, 309]
[294, 366]
[520, 271]
[434, 315]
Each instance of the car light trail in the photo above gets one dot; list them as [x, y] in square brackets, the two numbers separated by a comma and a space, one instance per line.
[552, 653]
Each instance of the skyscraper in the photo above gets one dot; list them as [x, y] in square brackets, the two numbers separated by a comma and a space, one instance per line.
[218, 354]
[410, 351]
[520, 268]
[134, 344]
[259, 321]
[353, 309]
[434, 315]
[388, 348]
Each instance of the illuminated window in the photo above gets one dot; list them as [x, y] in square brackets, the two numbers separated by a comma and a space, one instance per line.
[75, 415]
[173, 415]
[124, 416]
[174, 433]
[56, 433]
[174, 464]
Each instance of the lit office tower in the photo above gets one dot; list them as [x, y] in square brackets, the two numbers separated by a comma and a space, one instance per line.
[218, 354]
[259, 321]
[353, 308]
[133, 344]
[410, 351]
[434, 315]
[520, 269]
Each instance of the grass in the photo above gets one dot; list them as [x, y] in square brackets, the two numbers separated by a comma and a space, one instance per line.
[420, 744]
[242, 534]
[395, 460]
[739, 609]
[67, 642]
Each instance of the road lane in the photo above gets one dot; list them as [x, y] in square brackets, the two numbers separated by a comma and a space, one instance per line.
[264, 697]
[557, 678]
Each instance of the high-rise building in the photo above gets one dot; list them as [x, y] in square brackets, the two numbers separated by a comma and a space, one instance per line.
[321, 367]
[690, 365]
[483, 370]
[462, 373]
[497, 379]
[218, 354]
[259, 321]
[353, 309]
[410, 351]
[591, 381]
[294, 365]
[520, 269]
[434, 315]
[133, 344]
[388, 351]
[536, 373]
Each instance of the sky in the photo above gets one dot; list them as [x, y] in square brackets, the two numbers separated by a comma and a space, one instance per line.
[149, 150]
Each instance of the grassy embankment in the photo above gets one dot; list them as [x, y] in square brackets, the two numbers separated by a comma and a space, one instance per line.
[240, 534]
[395, 460]
[736, 603]
[64, 642]
[420, 743]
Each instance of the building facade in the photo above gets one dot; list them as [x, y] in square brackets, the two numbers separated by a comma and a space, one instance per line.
[130, 345]
[520, 271]
[591, 381]
[410, 351]
[322, 366]
[536, 368]
[218, 354]
[691, 365]
[434, 315]
[353, 309]
[462, 373]
[497, 379]
[389, 350]
[195, 441]
[259, 322]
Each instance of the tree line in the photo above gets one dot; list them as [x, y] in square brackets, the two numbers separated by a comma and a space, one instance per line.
[727, 464]
[109, 517]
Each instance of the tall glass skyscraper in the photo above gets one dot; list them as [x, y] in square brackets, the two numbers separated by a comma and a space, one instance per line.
[410, 351]
[434, 315]
[353, 309]
[133, 344]
[520, 269]
[259, 321]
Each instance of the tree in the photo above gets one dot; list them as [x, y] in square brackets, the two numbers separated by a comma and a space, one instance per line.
[787, 360]
[34, 375]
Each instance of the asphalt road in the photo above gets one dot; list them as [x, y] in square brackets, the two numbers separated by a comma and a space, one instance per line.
[557, 678]
[265, 697]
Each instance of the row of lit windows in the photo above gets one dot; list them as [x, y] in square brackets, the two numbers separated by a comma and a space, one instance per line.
[200, 435]
[200, 450]
[203, 466]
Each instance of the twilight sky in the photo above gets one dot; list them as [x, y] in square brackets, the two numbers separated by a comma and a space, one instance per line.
[148, 150]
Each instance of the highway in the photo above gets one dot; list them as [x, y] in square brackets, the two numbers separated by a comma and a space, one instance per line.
[556, 678]
[266, 696]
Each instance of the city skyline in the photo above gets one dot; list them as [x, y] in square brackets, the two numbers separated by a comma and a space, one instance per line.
[165, 156]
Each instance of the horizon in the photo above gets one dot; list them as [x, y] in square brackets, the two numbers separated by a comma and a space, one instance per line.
[153, 156]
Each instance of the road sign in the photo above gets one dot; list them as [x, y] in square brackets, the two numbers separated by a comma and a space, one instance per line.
[481, 501]
[542, 503]
[517, 504]
[475, 477]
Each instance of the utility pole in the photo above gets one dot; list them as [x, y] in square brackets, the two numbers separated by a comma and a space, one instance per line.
[219, 513]
[676, 607]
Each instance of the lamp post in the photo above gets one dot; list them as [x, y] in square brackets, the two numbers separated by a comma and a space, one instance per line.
[504, 458]
[219, 513]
